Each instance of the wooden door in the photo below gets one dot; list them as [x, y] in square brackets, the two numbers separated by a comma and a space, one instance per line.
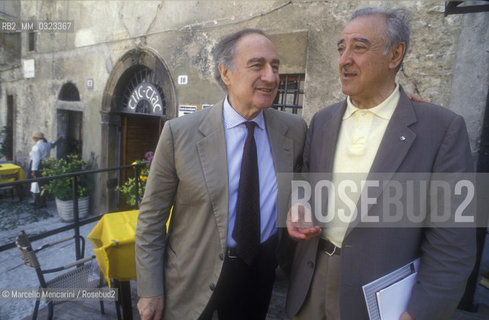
[140, 134]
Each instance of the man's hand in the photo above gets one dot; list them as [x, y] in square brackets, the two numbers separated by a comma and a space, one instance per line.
[299, 223]
[151, 308]
[406, 316]
[414, 97]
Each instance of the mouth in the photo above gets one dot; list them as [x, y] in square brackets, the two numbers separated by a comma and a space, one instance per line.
[265, 90]
[348, 75]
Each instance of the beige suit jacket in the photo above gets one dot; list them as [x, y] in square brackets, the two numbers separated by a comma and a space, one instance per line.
[189, 172]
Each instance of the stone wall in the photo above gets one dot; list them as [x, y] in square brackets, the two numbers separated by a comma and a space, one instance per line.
[183, 34]
[471, 74]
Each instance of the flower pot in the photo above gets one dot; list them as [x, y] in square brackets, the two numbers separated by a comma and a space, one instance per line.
[65, 208]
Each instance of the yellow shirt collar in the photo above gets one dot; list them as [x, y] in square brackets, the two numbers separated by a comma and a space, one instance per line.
[384, 110]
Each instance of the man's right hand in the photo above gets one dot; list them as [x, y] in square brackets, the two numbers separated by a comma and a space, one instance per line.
[151, 308]
[300, 225]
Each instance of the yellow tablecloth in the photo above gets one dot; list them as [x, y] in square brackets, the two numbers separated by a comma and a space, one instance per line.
[113, 238]
[9, 168]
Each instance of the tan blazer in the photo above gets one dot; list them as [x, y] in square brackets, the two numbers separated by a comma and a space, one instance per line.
[420, 137]
[189, 172]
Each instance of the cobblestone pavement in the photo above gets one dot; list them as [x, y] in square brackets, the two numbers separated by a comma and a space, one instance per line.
[91, 310]
[15, 216]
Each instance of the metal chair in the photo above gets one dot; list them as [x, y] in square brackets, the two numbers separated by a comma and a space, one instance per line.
[79, 277]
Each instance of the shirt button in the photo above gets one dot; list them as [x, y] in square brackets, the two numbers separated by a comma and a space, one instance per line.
[310, 264]
[212, 286]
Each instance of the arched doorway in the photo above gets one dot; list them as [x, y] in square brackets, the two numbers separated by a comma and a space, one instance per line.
[142, 115]
[139, 97]
[69, 120]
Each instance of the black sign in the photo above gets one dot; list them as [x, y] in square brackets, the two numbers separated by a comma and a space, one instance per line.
[145, 98]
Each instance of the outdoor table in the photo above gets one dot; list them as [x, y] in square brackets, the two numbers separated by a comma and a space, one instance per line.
[8, 169]
[113, 239]
[7, 174]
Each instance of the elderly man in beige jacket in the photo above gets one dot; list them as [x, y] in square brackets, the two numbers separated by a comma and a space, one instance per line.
[219, 254]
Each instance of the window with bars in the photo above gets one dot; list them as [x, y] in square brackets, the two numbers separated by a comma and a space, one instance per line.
[290, 93]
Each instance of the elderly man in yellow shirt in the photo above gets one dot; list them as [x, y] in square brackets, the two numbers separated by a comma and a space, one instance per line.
[378, 130]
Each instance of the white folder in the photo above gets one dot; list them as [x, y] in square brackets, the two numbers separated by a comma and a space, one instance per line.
[388, 296]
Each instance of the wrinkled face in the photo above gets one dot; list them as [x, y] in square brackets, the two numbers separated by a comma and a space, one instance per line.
[252, 82]
[366, 72]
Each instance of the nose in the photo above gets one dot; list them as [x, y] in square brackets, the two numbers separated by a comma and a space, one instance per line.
[345, 58]
[269, 73]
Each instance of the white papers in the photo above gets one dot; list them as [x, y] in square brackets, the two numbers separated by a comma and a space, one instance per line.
[394, 299]
[388, 296]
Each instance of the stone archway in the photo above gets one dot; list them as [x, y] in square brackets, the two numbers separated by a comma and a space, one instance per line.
[69, 121]
[120, 107]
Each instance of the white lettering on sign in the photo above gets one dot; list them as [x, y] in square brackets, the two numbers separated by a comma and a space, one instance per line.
[148, 92]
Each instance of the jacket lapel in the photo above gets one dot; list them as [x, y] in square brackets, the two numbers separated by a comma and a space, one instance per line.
[212, 154]
[398, 138]
[330, 130]
[282, 148]
[283, 160]
[281, 145]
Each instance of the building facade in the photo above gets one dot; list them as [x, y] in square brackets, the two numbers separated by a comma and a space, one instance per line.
[109, 82]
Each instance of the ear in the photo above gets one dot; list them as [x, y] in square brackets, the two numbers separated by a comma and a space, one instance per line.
[396, 55]
[224, 71]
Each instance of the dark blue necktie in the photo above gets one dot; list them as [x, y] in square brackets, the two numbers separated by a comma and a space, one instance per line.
[247, 224]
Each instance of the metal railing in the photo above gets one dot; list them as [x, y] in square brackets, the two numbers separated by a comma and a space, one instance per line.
[77, 223]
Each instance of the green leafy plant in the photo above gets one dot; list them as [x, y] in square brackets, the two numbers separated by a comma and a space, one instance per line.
[128, 189]
[62, 188]
[6, 144]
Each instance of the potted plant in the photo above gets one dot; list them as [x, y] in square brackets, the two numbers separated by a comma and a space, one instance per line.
[62, 188]
[6, 144]
[128, 189]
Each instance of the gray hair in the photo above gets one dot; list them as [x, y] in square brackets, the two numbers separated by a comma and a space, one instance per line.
[225, 50]
[397, 28]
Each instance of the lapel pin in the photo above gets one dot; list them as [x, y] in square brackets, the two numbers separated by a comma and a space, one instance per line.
[403, 138]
